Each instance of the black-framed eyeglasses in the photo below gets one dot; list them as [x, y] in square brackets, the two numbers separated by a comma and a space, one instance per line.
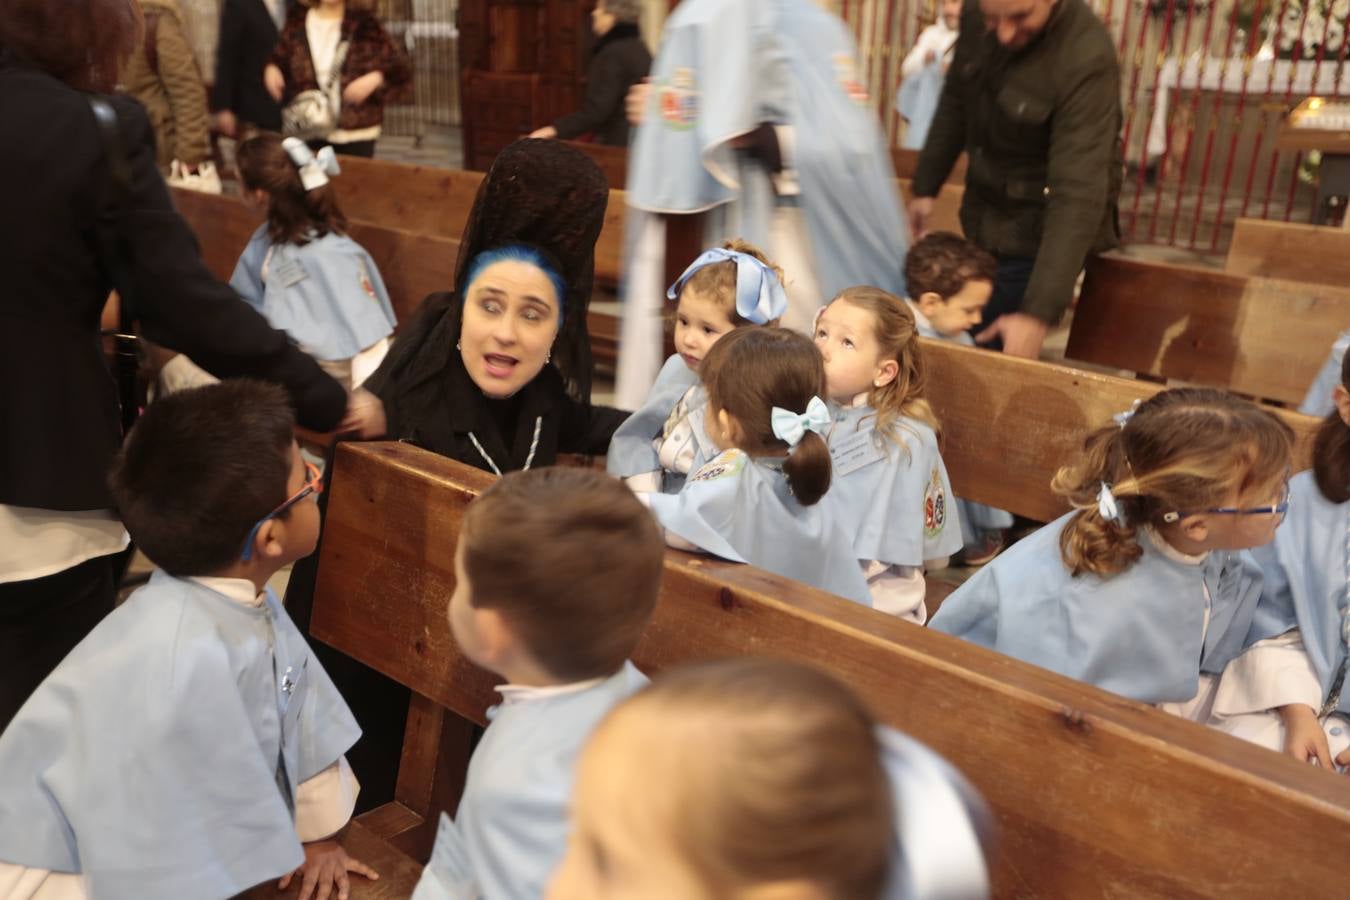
[313, 486]
[1279, 509]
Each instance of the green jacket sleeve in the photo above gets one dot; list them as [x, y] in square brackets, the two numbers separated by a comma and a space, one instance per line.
[1078, 188]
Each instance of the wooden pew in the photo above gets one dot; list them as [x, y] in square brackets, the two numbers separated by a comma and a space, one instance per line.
[1314, 253]
[1261, 337]
[1009, 424]
[1094, 795]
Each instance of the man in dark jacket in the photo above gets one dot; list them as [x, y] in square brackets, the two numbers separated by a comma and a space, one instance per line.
[1033, 97]
[248, 32]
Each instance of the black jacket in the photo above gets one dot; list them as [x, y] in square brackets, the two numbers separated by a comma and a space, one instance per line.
[1041, 127]
[59, 425]
[247, 36]
[619, 60]
[434, 404]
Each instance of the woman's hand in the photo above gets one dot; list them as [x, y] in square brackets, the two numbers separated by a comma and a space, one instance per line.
[635, 104]
[548, 133]
[1304, 738]
[274, 81]
[365, 415]
[360, 90]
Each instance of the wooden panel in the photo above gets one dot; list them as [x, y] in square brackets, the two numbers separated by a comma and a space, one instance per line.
[946, 206]
[1312, 253]
[1096, 796]
[1257, 336]
[1008, 424]
[613, 161]
[412, 265]
[398, 873]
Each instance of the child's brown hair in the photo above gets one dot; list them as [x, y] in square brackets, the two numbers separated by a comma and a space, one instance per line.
[1331, 450]
[751, 370]
[897, 335]
[573, 562]
[771, 772]
[294, 215]
[718, 280]
[1183, 449]
[943, 263]
[199, 469]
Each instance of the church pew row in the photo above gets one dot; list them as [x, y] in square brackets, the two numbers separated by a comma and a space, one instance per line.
[613, 161]
[1318, 254]
[1261, 337]
[1094, 795]
[412, 264]
[436, 201]
[1029, 416]
[1008, 424]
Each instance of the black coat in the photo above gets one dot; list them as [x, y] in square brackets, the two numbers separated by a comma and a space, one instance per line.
[247, 36]
[619, 61]
[59, 424]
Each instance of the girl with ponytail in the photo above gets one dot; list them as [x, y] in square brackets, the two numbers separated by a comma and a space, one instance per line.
[1146, 588]
[890, 484]
[1286, 692]
[759, 500]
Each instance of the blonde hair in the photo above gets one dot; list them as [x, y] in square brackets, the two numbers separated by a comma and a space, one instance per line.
[718, 280]
[758, 771]
[1183, 449]
[897, 335]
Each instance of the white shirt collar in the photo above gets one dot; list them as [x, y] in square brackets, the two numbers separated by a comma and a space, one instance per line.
[1171, 552]
[523, 693]
[240, 590]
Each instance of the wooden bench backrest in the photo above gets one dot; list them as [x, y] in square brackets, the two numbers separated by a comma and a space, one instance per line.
[1256, 336]
[412, 265]
[1314, 253]
[437, 201]
[613, 161]
[1095, 796]
[1008, 424]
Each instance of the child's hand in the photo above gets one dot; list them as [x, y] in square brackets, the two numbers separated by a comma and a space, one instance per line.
[1304, 738]
[360, 89]
[326, 866]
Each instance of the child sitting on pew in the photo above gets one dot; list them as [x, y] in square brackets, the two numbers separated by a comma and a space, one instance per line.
[663, 441]
[1286, 692]
[950, 281]
[556, 574]
[750, 778]
[888, 478]
[760, 500]
[1318, 401]
[191, 743]
[1146, 584]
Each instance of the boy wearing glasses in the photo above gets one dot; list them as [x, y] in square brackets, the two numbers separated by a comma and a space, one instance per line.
[191, 743]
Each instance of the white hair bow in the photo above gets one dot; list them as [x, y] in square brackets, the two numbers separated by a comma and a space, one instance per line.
[1108, 506]
[314, 167]
[792, 427]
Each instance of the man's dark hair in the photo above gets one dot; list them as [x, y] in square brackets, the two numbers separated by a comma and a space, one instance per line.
[199, 469]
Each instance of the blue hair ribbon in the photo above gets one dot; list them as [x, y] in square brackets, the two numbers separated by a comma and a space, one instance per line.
[760, 297]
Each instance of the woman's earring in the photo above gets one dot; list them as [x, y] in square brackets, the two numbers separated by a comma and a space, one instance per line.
[457, 344]
[548, 358]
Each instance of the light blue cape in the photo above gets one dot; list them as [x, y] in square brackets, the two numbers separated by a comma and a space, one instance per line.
[1136, 633]
[631, 451]
[160, 759]
[327, 294]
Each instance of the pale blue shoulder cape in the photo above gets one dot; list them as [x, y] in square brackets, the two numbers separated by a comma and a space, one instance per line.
[898, 508]
[725, 67]
[1306, 572]
[741, 509]
[510, 831]
[631, 451]
[327, 294]
[160, 759]
[1137, 633]
[1318, 400]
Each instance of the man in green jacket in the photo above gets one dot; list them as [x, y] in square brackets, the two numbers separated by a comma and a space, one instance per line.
[1033, 98]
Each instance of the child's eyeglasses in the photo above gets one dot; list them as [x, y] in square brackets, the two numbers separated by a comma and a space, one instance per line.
[313, 486]
[1279, 509]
